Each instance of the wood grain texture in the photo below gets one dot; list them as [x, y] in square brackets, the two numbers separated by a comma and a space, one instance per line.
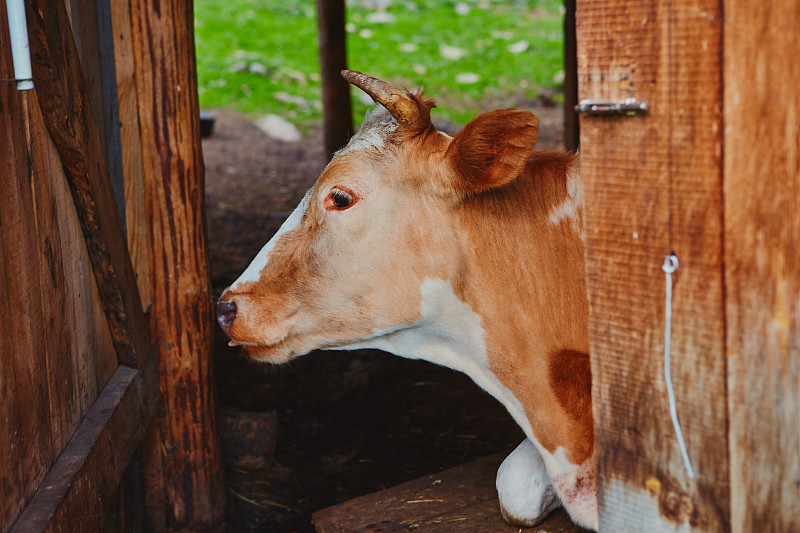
[57, 351]
[25, 417]
[462, 499]
[181, 312]
[76, 494]
[91, 27]
[653, 185]
[762, 262]
[136, 227]
[63, 98]
[79, 348]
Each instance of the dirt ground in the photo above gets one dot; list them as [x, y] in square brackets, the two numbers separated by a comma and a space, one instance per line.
[349, 423]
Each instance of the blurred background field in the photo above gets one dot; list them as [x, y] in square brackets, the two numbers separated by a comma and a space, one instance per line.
[261, 57]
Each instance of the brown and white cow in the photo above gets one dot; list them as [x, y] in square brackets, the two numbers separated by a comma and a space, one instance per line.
[465, 251]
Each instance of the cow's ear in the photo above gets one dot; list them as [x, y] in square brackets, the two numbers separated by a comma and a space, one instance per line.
[491, 150]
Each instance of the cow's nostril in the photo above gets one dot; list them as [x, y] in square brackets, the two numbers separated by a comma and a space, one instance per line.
[226, 313]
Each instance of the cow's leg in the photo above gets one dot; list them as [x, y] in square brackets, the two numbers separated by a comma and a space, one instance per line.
[576, 486]
[524, 488]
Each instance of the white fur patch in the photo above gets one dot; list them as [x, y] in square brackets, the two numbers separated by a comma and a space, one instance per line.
[253, 271]
[378, 125]
[450, 334]
[569, 208]
[575, 485]
[524, 488]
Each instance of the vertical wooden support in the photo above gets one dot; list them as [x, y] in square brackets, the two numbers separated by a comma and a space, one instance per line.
[571, 125]
[332, 60]
[187, 450]
[652, 186]
[762, 262]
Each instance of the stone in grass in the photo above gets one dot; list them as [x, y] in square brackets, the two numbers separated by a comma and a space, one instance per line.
[451, 52]
[519, 47]
[468, 78]
[278, 128]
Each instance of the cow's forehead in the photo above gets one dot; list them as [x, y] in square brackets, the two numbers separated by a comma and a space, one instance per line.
[378, 125]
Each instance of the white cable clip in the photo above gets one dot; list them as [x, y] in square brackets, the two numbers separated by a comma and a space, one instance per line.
[670, 266]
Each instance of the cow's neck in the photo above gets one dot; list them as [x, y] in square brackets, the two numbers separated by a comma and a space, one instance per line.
[451, 334]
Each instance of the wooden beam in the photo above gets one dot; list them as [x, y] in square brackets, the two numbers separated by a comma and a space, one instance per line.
[571, 124]
[64, 100]
[135, 213]
[74, 494]
[332, 60]
[762, 262]
[653, 186]
[91, 28]
[181, 314]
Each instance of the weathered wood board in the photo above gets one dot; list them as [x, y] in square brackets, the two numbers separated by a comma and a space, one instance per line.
[762, 261]
[57, 352]
[135, 214]
[653, 186]
[72, 416]
[462, 499]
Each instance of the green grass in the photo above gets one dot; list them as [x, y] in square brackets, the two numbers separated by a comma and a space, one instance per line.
[260, 56]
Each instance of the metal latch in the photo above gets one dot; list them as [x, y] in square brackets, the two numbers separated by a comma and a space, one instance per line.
[628, 107]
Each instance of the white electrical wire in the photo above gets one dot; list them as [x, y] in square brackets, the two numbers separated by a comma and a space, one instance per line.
[670, 266]
[20, 50]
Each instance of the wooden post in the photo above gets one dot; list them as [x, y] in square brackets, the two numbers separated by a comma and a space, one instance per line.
[332, 60]
[653, 186]
[571, 125]
[187, 450]
[762, 262]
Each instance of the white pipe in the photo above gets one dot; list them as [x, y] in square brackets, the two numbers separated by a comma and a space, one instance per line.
[20, 51]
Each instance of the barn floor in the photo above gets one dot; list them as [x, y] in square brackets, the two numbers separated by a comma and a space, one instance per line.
[347, 423]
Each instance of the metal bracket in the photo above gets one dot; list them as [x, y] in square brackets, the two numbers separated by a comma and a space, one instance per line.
[628, 107]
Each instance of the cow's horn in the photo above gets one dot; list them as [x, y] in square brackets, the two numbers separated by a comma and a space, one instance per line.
[396, 101]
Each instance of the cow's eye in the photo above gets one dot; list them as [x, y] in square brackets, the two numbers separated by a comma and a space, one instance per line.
[339, 198]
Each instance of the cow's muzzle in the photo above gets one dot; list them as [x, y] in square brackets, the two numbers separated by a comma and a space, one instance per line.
[226, 314]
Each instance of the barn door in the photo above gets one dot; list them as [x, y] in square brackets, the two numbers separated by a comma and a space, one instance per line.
[653, 186]
[77, 381]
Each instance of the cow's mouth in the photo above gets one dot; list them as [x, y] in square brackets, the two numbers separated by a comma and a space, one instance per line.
[276, 353]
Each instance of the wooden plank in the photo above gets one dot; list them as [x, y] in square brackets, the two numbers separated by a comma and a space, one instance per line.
[137, 229]
[653, 185]
[762, 262]
[56, 352]
[181, 315]
[25, 417]
[332, 60]
[67, 112]
[74, 495]
[79, 350]
[91, 28]
[462, 499]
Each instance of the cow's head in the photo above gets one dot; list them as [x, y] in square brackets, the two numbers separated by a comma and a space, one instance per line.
[350, 262]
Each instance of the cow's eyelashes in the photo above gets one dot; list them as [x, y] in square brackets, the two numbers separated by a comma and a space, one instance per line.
[339, 198]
